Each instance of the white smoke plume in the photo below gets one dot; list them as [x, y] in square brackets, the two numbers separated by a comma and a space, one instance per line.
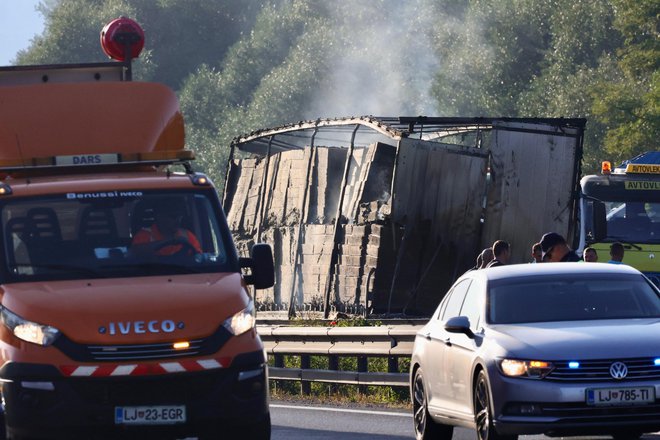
[385, 62]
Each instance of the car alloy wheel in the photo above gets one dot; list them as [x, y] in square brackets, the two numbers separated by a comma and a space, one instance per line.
[482, 415]
[425, 427]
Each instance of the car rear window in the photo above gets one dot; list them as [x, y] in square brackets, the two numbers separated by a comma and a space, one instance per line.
[571, 298]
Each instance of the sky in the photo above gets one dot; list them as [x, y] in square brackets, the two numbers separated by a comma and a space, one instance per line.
[19, 23]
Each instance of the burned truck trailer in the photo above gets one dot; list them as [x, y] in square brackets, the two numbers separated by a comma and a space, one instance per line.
[380, 215]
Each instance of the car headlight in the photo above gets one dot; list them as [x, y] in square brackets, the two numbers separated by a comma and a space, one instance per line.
[29, 331]
[523, 368]
[241, 322]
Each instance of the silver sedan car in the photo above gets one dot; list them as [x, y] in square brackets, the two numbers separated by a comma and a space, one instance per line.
[558, 348]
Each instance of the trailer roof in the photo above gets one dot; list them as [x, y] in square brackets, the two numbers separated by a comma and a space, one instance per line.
[367, 129]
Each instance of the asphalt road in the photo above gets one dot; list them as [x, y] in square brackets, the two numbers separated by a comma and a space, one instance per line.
[298, 422]
[293, 422]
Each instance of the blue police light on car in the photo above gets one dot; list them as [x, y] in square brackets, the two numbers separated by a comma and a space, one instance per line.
[656, 362]
[573, 364]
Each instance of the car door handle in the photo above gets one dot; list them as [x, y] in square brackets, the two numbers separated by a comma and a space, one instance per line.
[428, 336]
[448, 342]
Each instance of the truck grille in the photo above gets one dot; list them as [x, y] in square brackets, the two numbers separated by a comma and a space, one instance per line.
[599, 370]
[142, 351]
[130, 352]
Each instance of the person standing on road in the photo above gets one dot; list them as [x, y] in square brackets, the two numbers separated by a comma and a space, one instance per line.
[589, 255]
[556, 250]
[537, 253]
[501, 252]
[486, 257]
[616, 253]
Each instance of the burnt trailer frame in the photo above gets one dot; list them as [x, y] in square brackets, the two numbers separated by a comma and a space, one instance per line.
[420, 151]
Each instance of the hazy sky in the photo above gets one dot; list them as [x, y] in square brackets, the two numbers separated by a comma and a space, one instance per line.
[19, 22]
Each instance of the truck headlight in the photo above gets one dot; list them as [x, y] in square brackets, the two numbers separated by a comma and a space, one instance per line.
[524, 368]
[241, 322]
[28, 331]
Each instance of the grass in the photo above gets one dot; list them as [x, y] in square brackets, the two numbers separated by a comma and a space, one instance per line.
[380, 396]
[343, 396]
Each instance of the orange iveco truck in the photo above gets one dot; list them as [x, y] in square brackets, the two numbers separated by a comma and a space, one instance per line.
[125, 309]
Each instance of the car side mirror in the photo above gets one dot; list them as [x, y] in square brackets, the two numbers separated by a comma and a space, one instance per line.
[459, 324]
[600, 221]
[262, 268]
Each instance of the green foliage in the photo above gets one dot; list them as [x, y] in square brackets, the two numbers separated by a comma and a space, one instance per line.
[490, 51]
[630, 106]
[260, 84]
[72, 29]
[241, 65]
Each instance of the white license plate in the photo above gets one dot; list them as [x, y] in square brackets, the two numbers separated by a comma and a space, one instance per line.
[620, 396]
[149, 415]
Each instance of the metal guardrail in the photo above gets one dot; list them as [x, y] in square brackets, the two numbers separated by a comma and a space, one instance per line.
[391, 342]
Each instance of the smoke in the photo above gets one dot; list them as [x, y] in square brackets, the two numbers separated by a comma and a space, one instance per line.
[385, 61]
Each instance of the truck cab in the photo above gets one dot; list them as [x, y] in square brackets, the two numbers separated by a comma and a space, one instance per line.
[125, 309]
[623, 205]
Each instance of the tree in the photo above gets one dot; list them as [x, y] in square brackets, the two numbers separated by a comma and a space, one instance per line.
[259, 85]
[180, 34]
[71, 31]
[581, 39]
[490, 50]
[629, 108]
[242, 65]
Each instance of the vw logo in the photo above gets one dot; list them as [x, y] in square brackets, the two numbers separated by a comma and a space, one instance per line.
[618, 370]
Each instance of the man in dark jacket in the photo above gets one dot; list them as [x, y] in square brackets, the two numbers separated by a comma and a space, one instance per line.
[502, 253]
[556, 250]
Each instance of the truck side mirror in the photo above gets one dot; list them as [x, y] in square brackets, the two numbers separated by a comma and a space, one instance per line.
[261, 266]
[600, 221]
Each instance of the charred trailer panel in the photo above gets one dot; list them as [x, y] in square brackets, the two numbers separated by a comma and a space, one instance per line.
[385, 216]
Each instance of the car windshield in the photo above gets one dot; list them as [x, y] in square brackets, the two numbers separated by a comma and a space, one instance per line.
[113, 234]
[571, 297]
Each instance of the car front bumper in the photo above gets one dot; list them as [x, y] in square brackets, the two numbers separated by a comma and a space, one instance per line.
[527, 406]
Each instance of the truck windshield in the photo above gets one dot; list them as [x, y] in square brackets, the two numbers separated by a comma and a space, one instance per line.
[632, 221]
[632, 213]
[113, 234]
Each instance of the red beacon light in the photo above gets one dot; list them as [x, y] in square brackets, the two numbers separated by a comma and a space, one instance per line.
[122, 39]
[606, 167]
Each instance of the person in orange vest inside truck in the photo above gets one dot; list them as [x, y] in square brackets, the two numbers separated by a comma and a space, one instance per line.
[166, 237]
